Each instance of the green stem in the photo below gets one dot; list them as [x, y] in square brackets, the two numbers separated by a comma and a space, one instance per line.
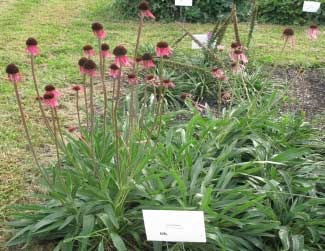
[86, 103]
[56, 138]
[102, 76]
[235, 21]
[78, 110]
[92, 117]
[38, 95]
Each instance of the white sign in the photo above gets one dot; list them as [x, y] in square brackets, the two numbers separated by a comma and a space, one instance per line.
[183, 2]
[203, 39]
[311, 6]
[174, 226]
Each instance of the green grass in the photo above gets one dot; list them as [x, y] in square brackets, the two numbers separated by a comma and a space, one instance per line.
[62, 27]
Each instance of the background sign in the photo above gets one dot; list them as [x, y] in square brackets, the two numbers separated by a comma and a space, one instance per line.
[311, 6]
[183, 2]
[174, 226]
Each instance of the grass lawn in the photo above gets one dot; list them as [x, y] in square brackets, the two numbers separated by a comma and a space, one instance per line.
[62, 27]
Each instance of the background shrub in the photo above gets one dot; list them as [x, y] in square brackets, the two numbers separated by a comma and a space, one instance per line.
[273, 11]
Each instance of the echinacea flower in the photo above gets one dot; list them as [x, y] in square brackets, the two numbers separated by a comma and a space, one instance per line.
[132, 79]
[105, 50]
[144, 8]
[120, 56]
[78, 88]
[53, 90]
[151, 79]
[288, 36]
[163, 49]
[81, 63]
[13, 73]
[219, 73]
[238, 55]
[90, 68]
[114, 71]
[312, 32]
[147, 61]
[235, 45]
[89, 51]
[237, 68]
[50, 100]
[32, 47]
[98, 30]
[168, 84]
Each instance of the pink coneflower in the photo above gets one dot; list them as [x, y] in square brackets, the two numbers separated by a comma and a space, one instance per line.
[288, 36]
[219, 73]
[168, 84]
[163, 49]
[90, 68]
[89, 51]
[50, 100]
[237, 68]
[81, 63]
[144, 8]
[53, 90]
[238, 55]
[13, 73]
[120, 56]
[32, 47]
[235, 45]
[221, 47]
[138, 60]
[201, 108]
[312, 32]
[98, 30]
[105, 50]
[132, 79]
[78, 88]
[114, 71]
[151, 79]
[147, 61]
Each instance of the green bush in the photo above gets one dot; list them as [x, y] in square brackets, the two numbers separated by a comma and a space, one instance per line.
[287, 12]
[202, 11]
[273, 11]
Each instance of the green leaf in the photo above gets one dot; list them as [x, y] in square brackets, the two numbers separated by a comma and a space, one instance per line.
[290, 154]
[297, 243]
[284, 237]
[118, 242]
[101, 246]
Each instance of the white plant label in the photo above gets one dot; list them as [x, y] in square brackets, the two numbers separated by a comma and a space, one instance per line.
[311, 6]
[202, 38]
[183, 2]
[174, 226]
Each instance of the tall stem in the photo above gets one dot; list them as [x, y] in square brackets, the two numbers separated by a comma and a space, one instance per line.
[235, 21]
[115, 122]
[59, 126]
[92, 117]
[25, 126]
[38, 95]
[113, 98]
[78, 111]
[56, 138]
[138, 39]
[253, 22]
[86, 103]
[102, 76]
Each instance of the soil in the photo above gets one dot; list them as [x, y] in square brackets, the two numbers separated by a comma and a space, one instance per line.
[307, 90]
